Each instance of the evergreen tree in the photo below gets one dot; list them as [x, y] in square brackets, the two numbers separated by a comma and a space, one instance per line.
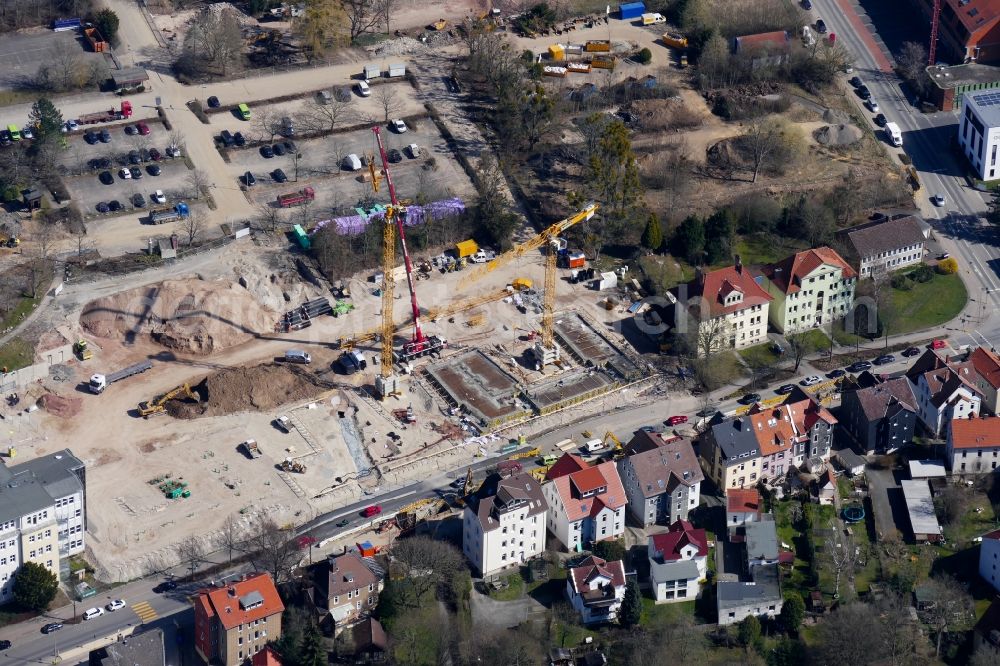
[749, 631]
[720, 230]
[652, 235]
[48, 121]
[106, 22]
[689, 240]
[792, 613]
[35, 586]
[313, 653]
[631, 610]
[612, 171]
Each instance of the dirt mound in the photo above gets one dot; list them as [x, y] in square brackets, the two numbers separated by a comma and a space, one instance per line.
[60, 406]
[835, 117]
[258, 388]
[838, 135]
[189, 315]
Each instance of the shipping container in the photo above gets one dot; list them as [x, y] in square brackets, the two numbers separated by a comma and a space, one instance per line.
[466, 248]
[631, 10]
[302, 237]
[397, 69]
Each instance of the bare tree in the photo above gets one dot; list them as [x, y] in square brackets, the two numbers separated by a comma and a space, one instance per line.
[191, 552]
[843, 555]
[761, 141]
[364, 16]
[801, 344]
[267, 123]
[45, 238]
[386, 98]
[425, 564]
[215, 40]
[199, 183]
[193, 225]
[295, 160]
[711, 335]
[272, 549]
[177, 138]
[326, 116]
[949, 609]
[232, 535]
[270, 217]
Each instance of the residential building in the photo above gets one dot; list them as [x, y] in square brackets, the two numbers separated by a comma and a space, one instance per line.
[267, 657]
[726, 307]
[504, 523]
[662, 482]
[850, 462]
[973, 445]
[986, 634]
[371, 645]
[761, 540]
[886, 245]
[586, 503]
[944, 390]
[979, 132]
[809, 289]
[920, 507]
[826, 487]
[989, 559]
[766, 49]
[742, 506]
[140, 649]
[968, 30]
[234, 622]
[346, 589]
[880, 418]
[596, 588]
[737, 600]
[986, 377]
[678, 562]
[766, 443]
[43, 515]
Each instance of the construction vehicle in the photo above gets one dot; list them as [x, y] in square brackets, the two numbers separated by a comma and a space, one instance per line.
[545, 350]
[342, 308]
[912, 178]
[99, 382]
[159, 404]
[289, 465]
[525, 455]
[175, 489]
[439, 25]
[251, 448]
[598, 46]
[386, 525]
[466, 248]
[296, 198]
[8, 240]
[108, 116]
[82, 350]
[405, 415]
[652, 18]
[351, 362]
[163, 215]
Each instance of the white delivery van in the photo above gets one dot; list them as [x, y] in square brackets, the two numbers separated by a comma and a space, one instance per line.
[363, 88]
[893, 134]
[594, 445]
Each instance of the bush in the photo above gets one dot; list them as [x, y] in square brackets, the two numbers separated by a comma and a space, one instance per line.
[922, 274]
[644, 56]
[901, 282]
[35, 586]
[947, 266]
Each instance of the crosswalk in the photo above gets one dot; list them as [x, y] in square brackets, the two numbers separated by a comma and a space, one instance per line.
[144, 611]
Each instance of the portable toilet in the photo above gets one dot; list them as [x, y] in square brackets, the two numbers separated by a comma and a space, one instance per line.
[372, 72]
[557, 52]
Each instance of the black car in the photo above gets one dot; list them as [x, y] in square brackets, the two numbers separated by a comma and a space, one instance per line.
[114, 205]
[834, 374]
[5, 139]
[136, 172]
[911, 351]
[105, 136]
[860, 366]
[855, 81]
[91, 137]
[279, 149]
[749, 398]
[395, 155]
[138, 200]
[880, 120]
[103, 208]
[239, 139]
[706, 412]
[343, 522]
[289, 145]
[452, 84]
[821, 26]
[153, 169]
[785, 389]
[249, 180]
[106, 178]
[279, 176]
[51, 626]
[155, 155]
[807, 5]
[103, 163]
[266, 152]
[94, 164]
[165, 586]
[885, 358]
[134, 157]
[213, 102]
[131, 130]
[5, 645]
[227, 138]
[864, 93]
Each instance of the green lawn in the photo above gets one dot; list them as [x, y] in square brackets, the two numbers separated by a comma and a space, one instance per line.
[765, 249]
[514, 590]
[928, 304]
[817, 339]
[658, 615]
[17, 353]
[762, 352]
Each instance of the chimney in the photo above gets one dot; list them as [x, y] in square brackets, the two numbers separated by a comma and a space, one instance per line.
[739, 264]
[232, 591]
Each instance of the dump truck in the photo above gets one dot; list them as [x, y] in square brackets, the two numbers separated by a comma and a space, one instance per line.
[296, 198]
[108, 116]
[466, 248]
[99, 382]
[82, 350]
[251, 448]
[674, 40]
[94, 38]
[405, 415]
[163, 215]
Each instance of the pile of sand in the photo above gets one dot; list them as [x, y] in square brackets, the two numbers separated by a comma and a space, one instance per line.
[189, 315]
[838, 135]
[258, 388]
[835, 117]
[60, 406]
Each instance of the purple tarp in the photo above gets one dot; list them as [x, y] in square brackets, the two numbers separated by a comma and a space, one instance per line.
[355, 224]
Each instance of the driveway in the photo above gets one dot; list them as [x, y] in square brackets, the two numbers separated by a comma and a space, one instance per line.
[888, 504]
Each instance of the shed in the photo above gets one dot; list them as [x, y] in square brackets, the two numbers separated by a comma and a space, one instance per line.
[32, 198]
[168, 247]
[557, 52]
[372, 72]
[129, 76]
[927, 469]
[631, 10]
[397, 69]
[367, 549]
[850, 462]
[607, 281]
[920, 508]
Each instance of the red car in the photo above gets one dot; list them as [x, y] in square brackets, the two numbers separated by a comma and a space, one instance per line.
[143, 128]
[372, 510]
[938, 344]
[676, 420]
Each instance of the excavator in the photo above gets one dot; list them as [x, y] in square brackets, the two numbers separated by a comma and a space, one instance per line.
[159, 404]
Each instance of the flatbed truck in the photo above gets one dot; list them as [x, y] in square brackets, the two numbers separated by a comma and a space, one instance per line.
[99, 382]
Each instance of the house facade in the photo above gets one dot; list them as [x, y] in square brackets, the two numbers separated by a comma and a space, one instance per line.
[973, 445]
[596, 588]
[662, 481]
[881, 418]
[346, 589]
[943, 393]
[967, 31]
[761, 596]
[765, 49]
[586, 503]
[809, 289]
[235, 622]
[989, 559]
[503, 524]
[728, 309]
[678, 562]
[886, 245]
[986, 365]
[742, 506]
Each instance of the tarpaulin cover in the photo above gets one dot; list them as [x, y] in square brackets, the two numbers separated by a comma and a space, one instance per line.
[355, 224]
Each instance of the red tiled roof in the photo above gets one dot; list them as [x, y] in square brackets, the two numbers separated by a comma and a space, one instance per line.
[743, 500]
[568, 464]
[713, 287]
[987, 365]
[593, 567]
[777, 40]
[975, 433]
[787, 274]
[680, 535]
[588, 480]
[224, 602]
[975, 15]
[777, 428]
[786, 557]
[267, 657]
[577, 507]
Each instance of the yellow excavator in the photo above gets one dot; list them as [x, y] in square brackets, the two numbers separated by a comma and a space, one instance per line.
[159, 405]
[611, 437]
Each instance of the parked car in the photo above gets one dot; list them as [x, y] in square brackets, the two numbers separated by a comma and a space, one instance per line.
[855, 81]
[749, 398]
[705, 412]
[5, 645]
[451, 83]
[159, 197]
[938, 344]
[677, 420]
[51, 626]
[134, 157]
[414, 150]
[811, 380]
[106, 177]
[807, 5]
[91, 137]
[72, 125]
[239, 139]
[138, 200]
[289, 145]
[249, 180]
[142, 128]
[939, 200]
[266, 152]
[860, 366]
[364, 90]
[397, 126]
[213, 102]
[91, 613]
[27, 132]
[114, 205]
[279, 149]
[911, 351]
[136, 172]
[872, 105]
[172, 151]
[834, 374]
[395, 155]
[226, 137]
[131, 130]
[821, 26]
[103, 208]
[885, 358]
[785, 389]
[863, 92]
[880, 120]
[279, 176]
[155, 155]
[943, 256]
[124, 174]
[165, 586]
[117, 604]
[153, 169]
[105, 136]
[5, 139]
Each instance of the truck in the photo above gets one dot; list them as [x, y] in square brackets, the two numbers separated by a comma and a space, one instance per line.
[296, 198]
[108, 116]
[675, 40]
[94, 38]
[482, 256]
[99, 382]
[893, 134]
[283, 423]
[466, 248]
[351, 362]
[251, 448]
[651, 18]
[162, 215]
[244, 110]
[912, 178]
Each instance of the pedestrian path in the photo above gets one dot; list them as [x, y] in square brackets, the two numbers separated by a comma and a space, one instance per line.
[144, 611]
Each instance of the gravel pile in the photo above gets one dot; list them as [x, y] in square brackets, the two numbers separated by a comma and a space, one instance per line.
[398, 47]
[838, 135]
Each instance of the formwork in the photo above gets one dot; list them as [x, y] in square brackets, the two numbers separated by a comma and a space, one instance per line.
[473, 382]
[583, 340]
[568, 389]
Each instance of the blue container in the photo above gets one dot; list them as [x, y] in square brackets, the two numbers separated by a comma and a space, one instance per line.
[631, 10]
[182, 208]
[60, 25]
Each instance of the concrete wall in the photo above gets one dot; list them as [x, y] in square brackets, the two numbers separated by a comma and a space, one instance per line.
[24, 376]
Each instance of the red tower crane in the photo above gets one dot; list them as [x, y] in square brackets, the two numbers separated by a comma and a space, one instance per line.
[935, 19]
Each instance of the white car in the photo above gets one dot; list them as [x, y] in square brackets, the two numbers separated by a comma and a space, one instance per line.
[364, 90]
[26, 133]
[159, 197]
[71, 125]
[117, 604]
[938, 200]
[398, 126]
[124, 174]
[872, 105]
[812, 380]
[91, 613]
[414, 150]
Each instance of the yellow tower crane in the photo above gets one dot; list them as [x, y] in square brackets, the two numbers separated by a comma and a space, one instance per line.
[546, 350]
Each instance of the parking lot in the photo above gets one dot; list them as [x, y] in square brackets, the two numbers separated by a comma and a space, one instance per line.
[88, 190]
[21, 54]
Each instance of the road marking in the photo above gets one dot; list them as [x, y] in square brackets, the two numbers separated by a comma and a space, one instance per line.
[144, 611]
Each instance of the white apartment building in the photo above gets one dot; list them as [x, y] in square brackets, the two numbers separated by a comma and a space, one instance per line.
[42, 515]
[989, 559]
[974, 446]
[979, 131]
[886, 245]
[809, 289]
[943, 394]
[504, 523]
[586, 504]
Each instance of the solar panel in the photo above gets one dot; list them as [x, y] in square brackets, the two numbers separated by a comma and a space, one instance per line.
[987, 99]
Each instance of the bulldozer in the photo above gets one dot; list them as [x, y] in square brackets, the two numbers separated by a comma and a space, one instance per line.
[82, 351]
[289, 465]
[159, 405]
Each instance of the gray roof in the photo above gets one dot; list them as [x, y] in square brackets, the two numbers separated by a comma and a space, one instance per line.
[886, 399]
[868, 240]
[764, 589]
[57, 472]
[735, 438]
[920, 506]
[500, 494]
[926, 469]
[144, 649]
[663, 468]
[21, 494]
[962, 75]
[762, 539]
[849, 459]
[129, 75]
[673, 570]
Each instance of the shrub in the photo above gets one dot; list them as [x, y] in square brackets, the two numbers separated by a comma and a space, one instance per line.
[645, 56]
[901, 282]
[947, 266]
[922, 274]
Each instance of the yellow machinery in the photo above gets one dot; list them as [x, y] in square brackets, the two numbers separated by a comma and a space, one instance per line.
[526, 454]
[611, 437]
[82, 351]
[545, 351]
[158, 405]
[539, 473]
[439, 25]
